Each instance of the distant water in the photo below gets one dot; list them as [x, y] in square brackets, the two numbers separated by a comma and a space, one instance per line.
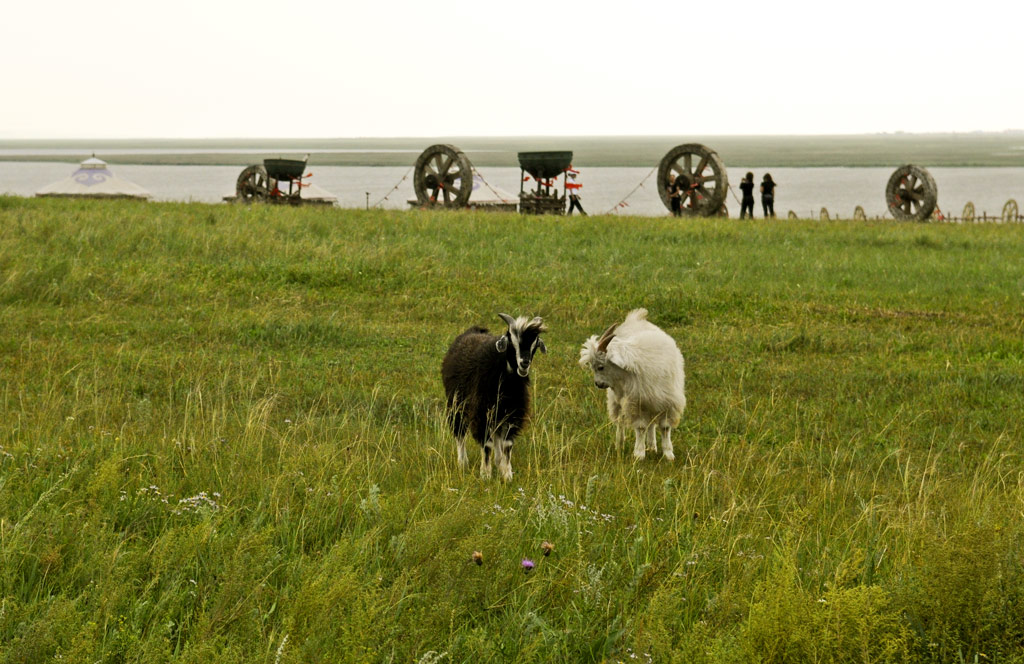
[803, 190]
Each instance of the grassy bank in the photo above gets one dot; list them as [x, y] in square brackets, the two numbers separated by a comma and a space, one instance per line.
[221, 440]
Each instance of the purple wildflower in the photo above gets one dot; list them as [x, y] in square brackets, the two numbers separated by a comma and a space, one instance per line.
[527, 564]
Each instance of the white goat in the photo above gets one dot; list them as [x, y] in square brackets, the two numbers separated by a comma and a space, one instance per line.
[642, 369]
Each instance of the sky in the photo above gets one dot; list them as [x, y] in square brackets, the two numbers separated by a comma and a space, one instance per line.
[380, 68]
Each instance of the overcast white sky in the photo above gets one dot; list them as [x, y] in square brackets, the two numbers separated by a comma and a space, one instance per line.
[232, 68]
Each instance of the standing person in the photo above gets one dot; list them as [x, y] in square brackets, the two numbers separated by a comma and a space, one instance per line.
[768, 196]
[674, 196]
[573, 186]
[747, 204]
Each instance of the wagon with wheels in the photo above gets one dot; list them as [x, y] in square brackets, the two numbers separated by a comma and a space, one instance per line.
[544, 168]
[275, 181]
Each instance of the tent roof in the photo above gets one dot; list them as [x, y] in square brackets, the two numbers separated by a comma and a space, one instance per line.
[94, 180]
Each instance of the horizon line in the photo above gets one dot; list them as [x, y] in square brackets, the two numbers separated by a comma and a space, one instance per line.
[1009, 131]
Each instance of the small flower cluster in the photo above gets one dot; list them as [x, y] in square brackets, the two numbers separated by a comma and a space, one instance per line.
[4, 454]
[551, 511]
[498, 509]
[198, 503]
[152, 492]
[632, 656]
[750, 555]
[592, 587]
[593, 514]
[526, 564]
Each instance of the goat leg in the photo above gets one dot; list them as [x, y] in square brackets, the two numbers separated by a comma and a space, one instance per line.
[652, 438]
[504, 459]
[639, 445]
[666, 443]
[615, 415]
[485, 462]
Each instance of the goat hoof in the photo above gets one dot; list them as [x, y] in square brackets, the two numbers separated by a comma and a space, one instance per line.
[639, 456]
[668, 456]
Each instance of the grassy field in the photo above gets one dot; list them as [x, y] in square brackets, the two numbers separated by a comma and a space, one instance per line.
[974, 149]
[221, 439]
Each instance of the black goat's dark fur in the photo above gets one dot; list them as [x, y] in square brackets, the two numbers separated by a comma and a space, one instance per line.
[483, 394]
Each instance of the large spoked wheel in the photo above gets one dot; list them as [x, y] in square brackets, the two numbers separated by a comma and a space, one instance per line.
[443, 177]
[911, 193]
[699, 175]
[968, 214]
[253, 184]
[1010, 212]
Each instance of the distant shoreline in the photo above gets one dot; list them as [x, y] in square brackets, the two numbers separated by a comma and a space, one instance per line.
[862, 150]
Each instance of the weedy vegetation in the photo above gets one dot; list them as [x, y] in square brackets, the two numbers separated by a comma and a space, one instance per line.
[222, 439]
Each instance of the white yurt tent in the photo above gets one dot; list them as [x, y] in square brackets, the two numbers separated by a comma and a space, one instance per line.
[94, 180]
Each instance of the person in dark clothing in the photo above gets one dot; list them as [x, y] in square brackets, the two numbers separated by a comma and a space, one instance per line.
[768, 196]
[674, 197]
[574, 187]
[747, 204]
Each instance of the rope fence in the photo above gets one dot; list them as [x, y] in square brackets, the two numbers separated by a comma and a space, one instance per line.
[622, 203]
[488, 185]
[395, 188]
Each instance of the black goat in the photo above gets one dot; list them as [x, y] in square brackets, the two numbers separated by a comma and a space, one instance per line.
[486, 382]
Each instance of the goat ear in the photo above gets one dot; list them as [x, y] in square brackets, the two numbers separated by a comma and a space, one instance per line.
[541, 346]
[508, 319]
[623, 356]
[502, 344]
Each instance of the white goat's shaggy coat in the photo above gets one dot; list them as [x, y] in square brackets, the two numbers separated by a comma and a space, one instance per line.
[643, 371]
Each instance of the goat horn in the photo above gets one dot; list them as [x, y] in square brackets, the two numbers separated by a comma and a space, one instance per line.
[508, 319]
[606, 337]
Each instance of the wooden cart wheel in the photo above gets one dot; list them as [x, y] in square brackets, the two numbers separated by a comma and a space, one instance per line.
[968, 214]
[823, 215]
[911, 193]
[1010, 211]
[252, 184]
[858, 214]
[792, 215]
[700, 176]
[443, 177]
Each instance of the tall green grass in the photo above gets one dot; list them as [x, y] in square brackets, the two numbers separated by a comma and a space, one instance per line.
[222, 439]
